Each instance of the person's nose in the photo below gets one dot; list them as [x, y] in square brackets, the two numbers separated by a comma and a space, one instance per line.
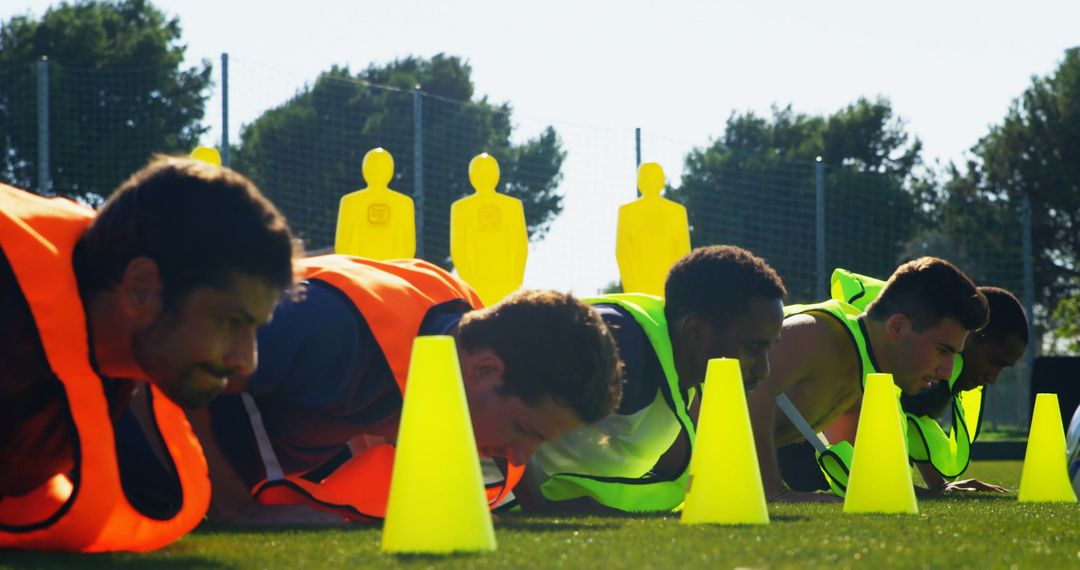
[242, 356]
[945, 369]
[758, 372]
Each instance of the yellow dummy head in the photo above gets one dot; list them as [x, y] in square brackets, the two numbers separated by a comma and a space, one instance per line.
[207, 154]
[484, 173]
[378, 168]
[650, 179]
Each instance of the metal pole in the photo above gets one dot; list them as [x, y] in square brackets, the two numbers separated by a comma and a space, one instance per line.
[225, 109]
[418, 167]
[1029, 306]
[637, 148]
[637, 144]
[44, 183]
[819, 230]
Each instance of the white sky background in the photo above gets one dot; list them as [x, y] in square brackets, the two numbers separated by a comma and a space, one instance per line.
[677, 69]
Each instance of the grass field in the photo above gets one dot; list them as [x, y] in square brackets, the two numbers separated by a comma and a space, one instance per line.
[980, 531]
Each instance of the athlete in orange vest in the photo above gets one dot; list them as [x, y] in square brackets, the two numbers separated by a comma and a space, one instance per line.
[165, 286]
[334, 365]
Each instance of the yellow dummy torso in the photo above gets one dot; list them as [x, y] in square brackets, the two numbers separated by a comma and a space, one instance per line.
[653, 234]
[489, 242]
[376, 222]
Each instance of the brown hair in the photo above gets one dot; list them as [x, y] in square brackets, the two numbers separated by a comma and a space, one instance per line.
[199, 222]
[927, 290]
[552, 345]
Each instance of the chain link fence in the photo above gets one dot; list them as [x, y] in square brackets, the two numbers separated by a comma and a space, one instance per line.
[305, 148]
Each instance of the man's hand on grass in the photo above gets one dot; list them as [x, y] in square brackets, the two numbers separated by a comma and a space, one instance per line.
[972, 486]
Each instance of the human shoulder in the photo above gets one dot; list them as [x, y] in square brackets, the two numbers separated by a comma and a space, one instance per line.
[815, 333]
[810, 343]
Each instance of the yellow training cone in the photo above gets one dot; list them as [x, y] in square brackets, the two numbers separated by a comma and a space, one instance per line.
[1045, 478]
[880, 480]
[725, 483]
[437, 503]
[207, 154]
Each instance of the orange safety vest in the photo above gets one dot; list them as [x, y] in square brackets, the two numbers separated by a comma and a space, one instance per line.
[87, 509]
[393, 296]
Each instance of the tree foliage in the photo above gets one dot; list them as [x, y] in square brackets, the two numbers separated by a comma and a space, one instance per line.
[754, 186]
[117, 93]
[1033, 152]
[308, 152]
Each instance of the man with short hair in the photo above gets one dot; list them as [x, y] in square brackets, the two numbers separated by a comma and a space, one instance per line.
[149, 305]
[721, 302]
[315, 424]
[912, 330]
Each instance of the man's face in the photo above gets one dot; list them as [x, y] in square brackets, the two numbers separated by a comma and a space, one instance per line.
[190, 351]
[924, 357]
[748, 338]
[504, 425]
[984, 360]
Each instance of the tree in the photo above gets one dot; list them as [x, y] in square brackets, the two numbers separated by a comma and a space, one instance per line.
[1033, 153]
[755, 187]
[117, 93]
[307, 153]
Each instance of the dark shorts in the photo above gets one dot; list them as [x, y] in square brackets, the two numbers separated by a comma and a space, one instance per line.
[799, 468]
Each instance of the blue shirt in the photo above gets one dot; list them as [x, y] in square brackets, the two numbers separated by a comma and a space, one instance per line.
[321, 380]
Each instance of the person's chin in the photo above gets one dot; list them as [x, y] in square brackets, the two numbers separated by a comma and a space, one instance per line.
[195, 398]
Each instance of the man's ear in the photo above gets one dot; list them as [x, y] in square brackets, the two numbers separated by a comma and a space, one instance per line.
[482, 368]
[897, 325]
[140, 290]
[696, 331]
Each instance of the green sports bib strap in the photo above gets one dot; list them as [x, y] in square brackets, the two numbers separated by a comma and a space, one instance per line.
[854, 289]
[948, 453]
[835, 465]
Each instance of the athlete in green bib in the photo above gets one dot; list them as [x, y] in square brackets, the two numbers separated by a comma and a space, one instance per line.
[721, 301]
[913, 330]
[943, 456]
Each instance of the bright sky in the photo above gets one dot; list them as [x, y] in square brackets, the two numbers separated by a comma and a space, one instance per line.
[675, 68]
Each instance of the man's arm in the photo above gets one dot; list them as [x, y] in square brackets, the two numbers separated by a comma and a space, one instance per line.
[231, 498]
[802, 344]
[231, 501]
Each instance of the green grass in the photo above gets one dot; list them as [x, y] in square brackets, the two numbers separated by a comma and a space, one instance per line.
[980, 531]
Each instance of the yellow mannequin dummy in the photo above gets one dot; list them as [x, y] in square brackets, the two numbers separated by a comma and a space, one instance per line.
[207, 154]
[376, 222]
[653, 234]
[488, 239]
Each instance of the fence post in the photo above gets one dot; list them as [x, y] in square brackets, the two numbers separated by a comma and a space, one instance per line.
[819, 230]
[637, 144]
[418, 167]
[1029, 305]
[225, 109]
[44, 182]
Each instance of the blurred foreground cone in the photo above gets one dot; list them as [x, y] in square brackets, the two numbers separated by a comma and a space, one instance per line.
[880, 480]
[725, 482]
[1045, 478]
[437, 502]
